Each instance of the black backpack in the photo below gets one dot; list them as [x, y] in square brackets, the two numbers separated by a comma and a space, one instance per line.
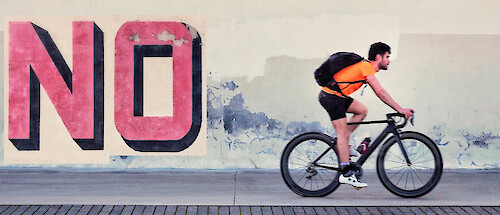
[336, 62]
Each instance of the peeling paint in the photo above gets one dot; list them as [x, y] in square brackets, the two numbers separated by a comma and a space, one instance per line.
[192, 31]
[167, 36]
[134, 37]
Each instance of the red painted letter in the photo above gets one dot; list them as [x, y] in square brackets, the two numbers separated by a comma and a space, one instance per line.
[133, 42]
[77, 96]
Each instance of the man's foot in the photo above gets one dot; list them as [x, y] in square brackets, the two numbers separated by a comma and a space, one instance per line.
[353, 152]
[352, 180]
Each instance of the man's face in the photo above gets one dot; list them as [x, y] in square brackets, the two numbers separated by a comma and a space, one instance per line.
[384, 63]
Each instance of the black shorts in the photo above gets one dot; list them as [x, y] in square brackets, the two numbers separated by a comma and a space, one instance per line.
[336, 106]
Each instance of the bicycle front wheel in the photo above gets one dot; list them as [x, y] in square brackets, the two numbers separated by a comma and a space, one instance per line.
[414, 178]
[309, 165]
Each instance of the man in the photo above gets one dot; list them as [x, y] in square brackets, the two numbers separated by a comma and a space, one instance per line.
[337, 104]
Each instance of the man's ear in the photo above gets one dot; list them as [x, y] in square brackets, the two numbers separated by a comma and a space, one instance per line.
[378, 57]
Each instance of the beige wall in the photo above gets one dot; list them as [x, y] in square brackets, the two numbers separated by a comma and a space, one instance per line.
[444, 65]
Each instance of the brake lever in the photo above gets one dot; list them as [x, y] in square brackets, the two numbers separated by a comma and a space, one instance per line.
[411, 120]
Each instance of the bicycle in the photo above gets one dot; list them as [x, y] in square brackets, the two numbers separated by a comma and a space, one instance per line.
[409, 164]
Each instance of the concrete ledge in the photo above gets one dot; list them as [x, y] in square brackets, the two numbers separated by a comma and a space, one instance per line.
[32, 186]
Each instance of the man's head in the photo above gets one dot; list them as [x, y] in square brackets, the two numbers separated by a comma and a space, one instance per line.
[379, 54]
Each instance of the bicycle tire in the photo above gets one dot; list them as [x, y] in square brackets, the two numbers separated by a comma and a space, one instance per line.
[424, 171]
[303, 178]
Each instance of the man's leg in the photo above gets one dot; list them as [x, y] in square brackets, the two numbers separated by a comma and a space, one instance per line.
[342, 131]
[359, 110]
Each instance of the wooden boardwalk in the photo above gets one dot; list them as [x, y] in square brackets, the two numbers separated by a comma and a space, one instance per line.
[243, 210]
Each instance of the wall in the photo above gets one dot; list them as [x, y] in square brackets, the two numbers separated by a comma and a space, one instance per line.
[260, 91]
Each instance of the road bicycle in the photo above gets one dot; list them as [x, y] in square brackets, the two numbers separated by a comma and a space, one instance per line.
[409, 164]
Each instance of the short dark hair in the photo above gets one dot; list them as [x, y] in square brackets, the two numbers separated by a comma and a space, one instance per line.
[378, 48]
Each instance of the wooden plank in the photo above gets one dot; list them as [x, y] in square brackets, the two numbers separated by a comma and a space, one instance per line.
[234, 210]
[405, 210]
[491, 210]
[277, 210]
[255, 210]
[320, 210]
[352, 210]
[202, 210]
[74, 209]
[331, 210]
[10, 209]
[363, 210]
[192, 210]
[20, 210]
[447, 210]
[341, 210]
[298, 210]
[267, 210]
[395, 210]
[181, 210]
[497, 209]
[127, 210]
[63, 210]
[106, 210]
[160, 209]
[85, 210]
[480, 210]
[213, 210]
[469, 210]
[149, 210]
[438, 210]
[427, 210]
[384, 210]
[288, 211]
[416, 210]
[170, 209]
[373, 210]
[3, 207]
[42, 210]
[309, 210]
[138, 209]
[117, 210]
[245, 210]
[223, 210]
[95, 210]
[31, 209]
[53, 209]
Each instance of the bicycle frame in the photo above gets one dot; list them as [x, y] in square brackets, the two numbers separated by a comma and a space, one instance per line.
[391, 128]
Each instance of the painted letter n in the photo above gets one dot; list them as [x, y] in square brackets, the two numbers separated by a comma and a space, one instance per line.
[78, 95]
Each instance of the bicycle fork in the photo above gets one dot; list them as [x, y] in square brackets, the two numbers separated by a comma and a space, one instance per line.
[397, 135]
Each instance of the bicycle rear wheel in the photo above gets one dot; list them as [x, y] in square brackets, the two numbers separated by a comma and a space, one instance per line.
[413, 179]
[309, 165]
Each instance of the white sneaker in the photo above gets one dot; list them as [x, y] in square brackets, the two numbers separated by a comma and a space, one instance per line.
[351, 180]
[353, 152]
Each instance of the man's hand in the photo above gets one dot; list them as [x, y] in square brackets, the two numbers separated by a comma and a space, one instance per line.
[408, 112]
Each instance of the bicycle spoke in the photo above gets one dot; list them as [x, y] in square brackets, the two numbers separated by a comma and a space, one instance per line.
[426, 161]
[412, 180]
[398, 162]
[423, 167]
[402, 175]
[397, 156]
[396, 173]
[423, 173]
[298, 165]
[397, 167]
[414, 171]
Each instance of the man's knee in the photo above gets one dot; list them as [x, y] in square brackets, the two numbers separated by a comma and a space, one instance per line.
[361, 111]
[364, 111]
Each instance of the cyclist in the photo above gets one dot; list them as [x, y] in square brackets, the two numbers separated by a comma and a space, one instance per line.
[337, 104]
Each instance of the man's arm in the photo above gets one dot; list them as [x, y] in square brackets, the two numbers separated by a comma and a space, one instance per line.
[386, 98]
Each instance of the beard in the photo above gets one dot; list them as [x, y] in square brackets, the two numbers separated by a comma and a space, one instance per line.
[383, 66]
